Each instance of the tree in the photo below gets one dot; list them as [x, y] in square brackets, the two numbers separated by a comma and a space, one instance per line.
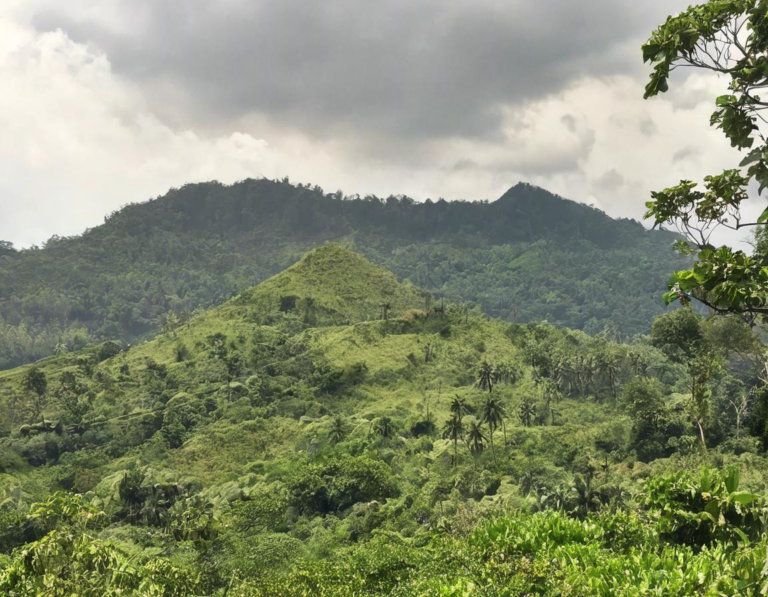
[492, 413]
[584, 370]
[741, 406]
[309, 306]
[36, 382]
[701, 370]
[550, 390]
[730, 39]
[504, 373]
[610, 367]
[386, 308]
[485, 377]
[384, 427]
[338, 430]
[475, 440]
[527, 412]
[460, 407]
[71, 560]
[682, 336]
[454, 430]
[638, 364]
[562, 373]
[172, 321]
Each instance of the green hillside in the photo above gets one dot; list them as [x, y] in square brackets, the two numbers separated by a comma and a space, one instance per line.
[529, 256]
[301, 439]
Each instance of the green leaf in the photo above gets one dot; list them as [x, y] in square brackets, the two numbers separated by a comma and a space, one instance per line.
[752, 157]
[744, 497]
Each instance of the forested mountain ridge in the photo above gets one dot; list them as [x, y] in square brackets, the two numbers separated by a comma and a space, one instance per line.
[528, 256]
[333, 431]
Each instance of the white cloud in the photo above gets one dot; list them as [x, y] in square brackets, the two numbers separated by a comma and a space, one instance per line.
[76, 141]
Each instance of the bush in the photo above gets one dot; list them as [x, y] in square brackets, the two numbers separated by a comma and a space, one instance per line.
[699, 510]
[336, 484]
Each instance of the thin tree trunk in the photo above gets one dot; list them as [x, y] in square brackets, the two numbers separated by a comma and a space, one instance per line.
[701, 434]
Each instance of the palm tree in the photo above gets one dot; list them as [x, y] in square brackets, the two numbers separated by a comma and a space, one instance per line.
[36, 382]
[587, 499]
[558, 498]
[172, 321]
[554, 412]
[588, 372]
[551, 392]
[638, 364]
[504, 373]
[475, 440]
[454, 430]
[492, 414]
[485, 377]
[611, 369]
[562, 373]
[338, 430]
[527, 412]
[310, 310]
[385, 309]
[384, 427]
[460, 407]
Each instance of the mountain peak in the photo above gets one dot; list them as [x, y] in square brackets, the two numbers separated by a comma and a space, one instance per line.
[335, 283]
[524, 192]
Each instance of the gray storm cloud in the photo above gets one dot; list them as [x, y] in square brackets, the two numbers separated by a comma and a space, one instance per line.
[104, 103]
[409, 69]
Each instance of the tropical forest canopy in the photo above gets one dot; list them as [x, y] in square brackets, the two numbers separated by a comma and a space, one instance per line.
[529, 256]
[334, 431]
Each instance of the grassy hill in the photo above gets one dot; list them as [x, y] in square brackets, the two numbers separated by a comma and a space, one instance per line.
[295, 440]
[529, 256]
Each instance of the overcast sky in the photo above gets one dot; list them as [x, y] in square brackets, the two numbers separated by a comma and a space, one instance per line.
[113, 101]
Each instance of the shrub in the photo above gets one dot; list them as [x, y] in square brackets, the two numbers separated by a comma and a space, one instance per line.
[698, 510]
[337, 483]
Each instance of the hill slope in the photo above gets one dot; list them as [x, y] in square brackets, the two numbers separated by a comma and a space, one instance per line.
[264, 447]
[528, 256]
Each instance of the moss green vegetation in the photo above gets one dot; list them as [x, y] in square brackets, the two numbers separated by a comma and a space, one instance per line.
[529, 256]
[333, 431]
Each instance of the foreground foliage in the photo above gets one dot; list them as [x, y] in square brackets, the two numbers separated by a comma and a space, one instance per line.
[728, 39]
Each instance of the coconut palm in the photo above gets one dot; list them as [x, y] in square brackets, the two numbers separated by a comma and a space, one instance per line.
[338, 430]
[559, 498]
[527, 412]
[454, 430]
[551, 393]
[386, 307]
[485, 377]
[492, 413]
[562, 373]
[504, 373]
[384, 427]
[460, 407]
[611, 368]
[475, 440]
[586, 497]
